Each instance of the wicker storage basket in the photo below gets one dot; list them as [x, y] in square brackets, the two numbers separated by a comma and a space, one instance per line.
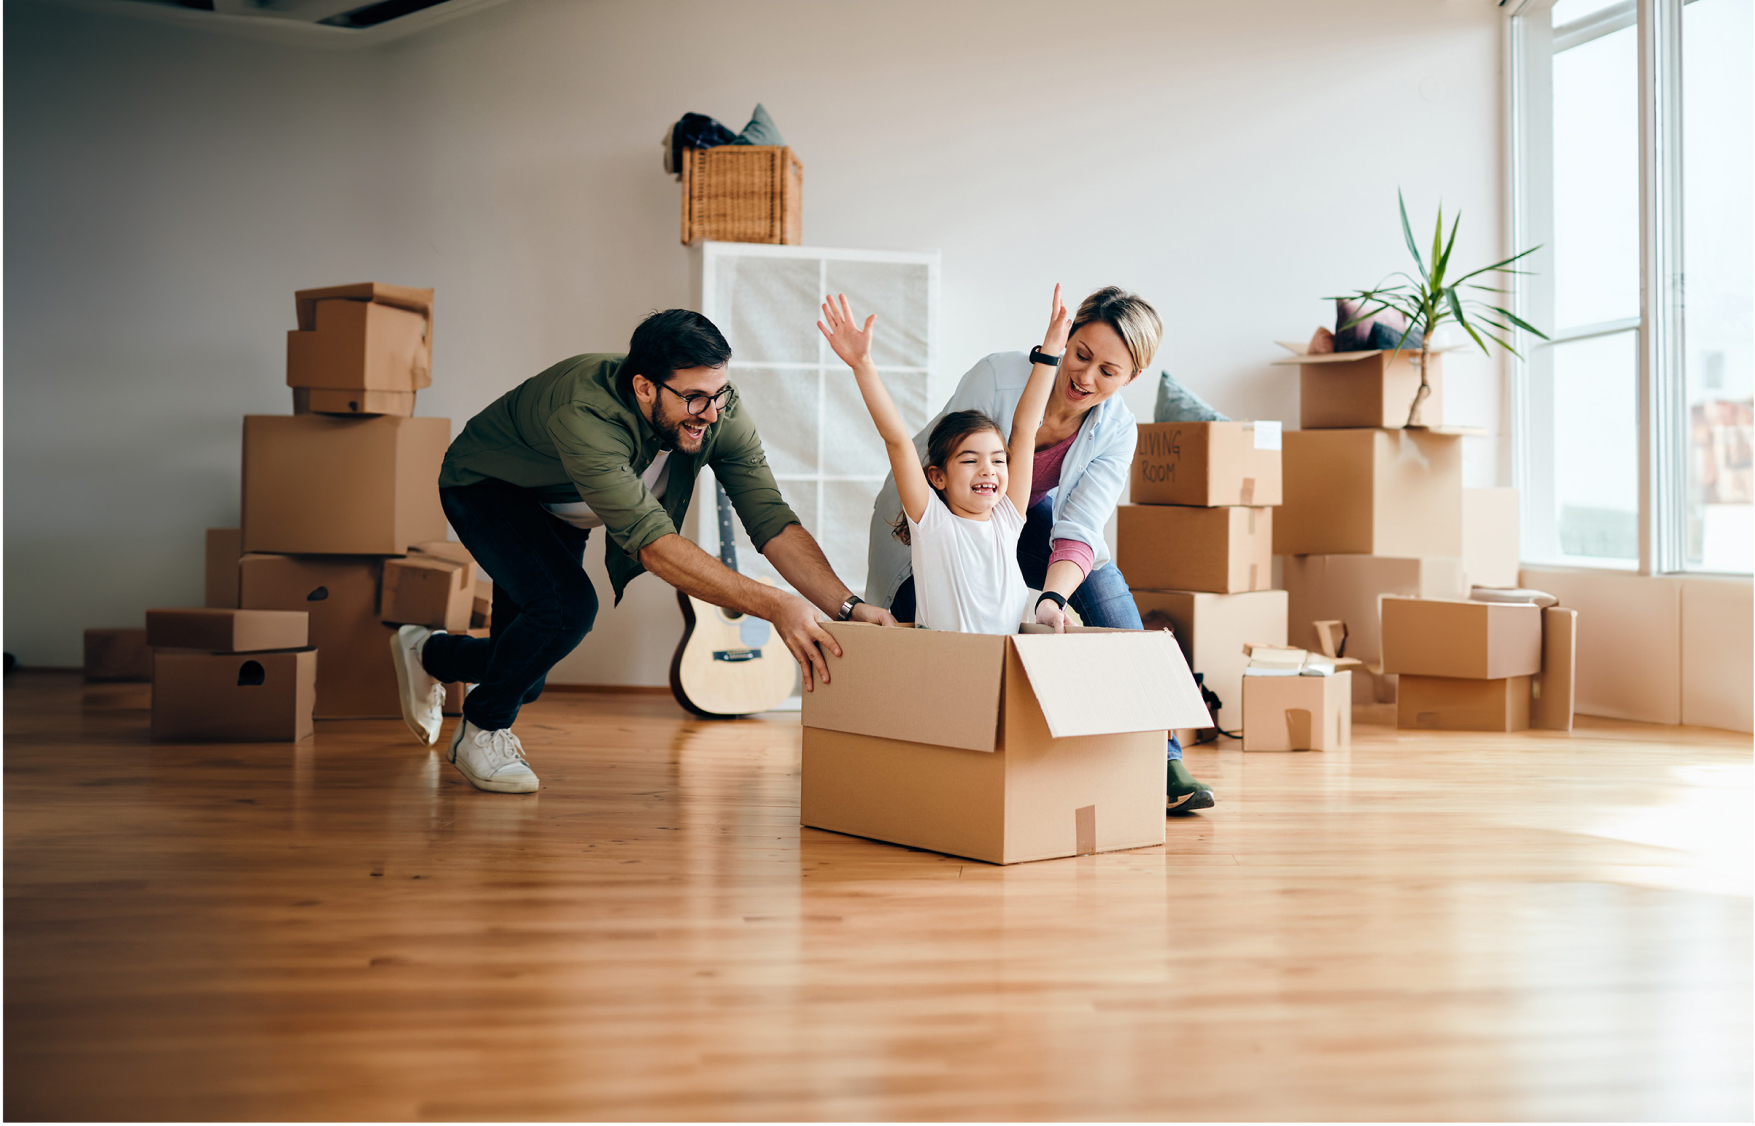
[742, 193]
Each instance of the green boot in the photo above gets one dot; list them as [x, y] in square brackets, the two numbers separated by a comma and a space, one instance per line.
[1183, 793]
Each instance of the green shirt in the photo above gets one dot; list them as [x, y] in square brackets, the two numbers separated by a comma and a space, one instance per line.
[568, 435]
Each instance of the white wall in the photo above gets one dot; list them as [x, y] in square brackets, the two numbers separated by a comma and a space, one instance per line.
[167, 190]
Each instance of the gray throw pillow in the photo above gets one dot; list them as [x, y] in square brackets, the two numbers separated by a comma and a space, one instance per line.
[1177, 403]
[760, 131]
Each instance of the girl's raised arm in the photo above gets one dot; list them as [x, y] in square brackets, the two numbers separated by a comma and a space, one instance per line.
[1027, 419]
[853, 345]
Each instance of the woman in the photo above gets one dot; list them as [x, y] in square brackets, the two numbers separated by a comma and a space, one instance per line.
[1084, 449]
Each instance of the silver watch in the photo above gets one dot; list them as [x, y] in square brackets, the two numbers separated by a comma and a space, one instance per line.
[847, 607]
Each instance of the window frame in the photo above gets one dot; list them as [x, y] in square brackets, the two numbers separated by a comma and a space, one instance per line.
[1662, 435]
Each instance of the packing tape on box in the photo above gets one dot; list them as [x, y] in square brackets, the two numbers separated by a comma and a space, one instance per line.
[1298, 728]
[1248, 498]
[1085, 830]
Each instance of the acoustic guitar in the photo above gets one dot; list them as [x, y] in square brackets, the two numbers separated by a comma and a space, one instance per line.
[728, 664]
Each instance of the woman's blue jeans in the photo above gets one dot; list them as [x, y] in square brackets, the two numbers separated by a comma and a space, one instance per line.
[1101, 600]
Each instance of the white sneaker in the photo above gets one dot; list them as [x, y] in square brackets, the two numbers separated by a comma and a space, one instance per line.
[491, 760]
[423, 698]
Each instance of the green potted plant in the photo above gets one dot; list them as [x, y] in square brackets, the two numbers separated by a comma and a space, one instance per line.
[1426, 301]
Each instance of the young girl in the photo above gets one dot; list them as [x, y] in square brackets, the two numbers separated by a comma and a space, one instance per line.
[964, 510]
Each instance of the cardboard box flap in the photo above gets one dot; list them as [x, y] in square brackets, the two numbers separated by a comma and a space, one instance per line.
[1300, 357]
[874, 686]
[402, 296]
[1111, 683]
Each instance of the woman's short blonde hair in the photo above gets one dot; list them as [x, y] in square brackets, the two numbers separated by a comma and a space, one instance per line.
[1132, 318]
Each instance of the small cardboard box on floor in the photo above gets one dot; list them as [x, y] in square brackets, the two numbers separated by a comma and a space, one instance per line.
[999, 748]
[1178, 547]
[1207, 463]
[117, 654]
[1298, 713]
[263, 697]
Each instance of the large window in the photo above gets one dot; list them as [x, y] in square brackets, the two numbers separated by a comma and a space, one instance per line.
[1632, 167]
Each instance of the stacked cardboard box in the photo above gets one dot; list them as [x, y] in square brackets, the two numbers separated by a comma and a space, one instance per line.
[236, 676]
[1374, 510]
[1196, 544]
[336, 495]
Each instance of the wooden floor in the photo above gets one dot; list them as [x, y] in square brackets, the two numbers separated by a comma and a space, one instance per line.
[1428, 926]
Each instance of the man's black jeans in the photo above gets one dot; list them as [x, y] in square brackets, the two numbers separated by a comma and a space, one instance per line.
[544, 604]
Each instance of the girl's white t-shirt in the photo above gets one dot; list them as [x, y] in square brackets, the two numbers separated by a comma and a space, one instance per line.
[966, 576]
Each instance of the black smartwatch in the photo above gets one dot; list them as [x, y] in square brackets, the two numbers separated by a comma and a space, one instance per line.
[1038, 356]
[846, 613]
[1050, 596]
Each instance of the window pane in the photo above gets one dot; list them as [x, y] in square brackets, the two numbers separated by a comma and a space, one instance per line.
[1596, 181]
[1718, 221]
[1571, 11]
[1596, 447]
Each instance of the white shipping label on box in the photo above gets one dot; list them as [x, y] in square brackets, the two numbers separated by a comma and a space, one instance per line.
[1111, 683]
[1267, 435]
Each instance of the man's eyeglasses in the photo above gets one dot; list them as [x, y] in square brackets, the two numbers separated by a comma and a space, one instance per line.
[696, 403]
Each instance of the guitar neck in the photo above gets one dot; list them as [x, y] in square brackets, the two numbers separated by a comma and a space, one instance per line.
[727, 535]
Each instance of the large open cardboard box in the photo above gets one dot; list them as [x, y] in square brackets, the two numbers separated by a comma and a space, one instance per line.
[1347, 588]
[1365, 389]
[998, 748]
[356, 678]
[1371, 492]
[1179, 547]
[1207, 463]
[320, 485]
[1212, 630]
[1476, 640]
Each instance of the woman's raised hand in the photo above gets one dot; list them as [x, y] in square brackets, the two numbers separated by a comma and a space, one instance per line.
[1059, 322]
[851, 343]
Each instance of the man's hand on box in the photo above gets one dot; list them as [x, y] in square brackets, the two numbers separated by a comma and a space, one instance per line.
[873, 615]
[796, 622]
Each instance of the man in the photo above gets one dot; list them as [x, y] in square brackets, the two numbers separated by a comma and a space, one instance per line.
[615, 442]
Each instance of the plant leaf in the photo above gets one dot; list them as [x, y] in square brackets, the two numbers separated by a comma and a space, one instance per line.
[1408, 233]
[1519, 322]
[1444, 262]
[1499, 265]
[1437, 275]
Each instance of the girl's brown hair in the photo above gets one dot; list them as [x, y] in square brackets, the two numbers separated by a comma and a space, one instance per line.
[946, 437]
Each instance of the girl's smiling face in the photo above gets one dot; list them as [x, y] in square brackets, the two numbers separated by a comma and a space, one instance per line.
[974, 477]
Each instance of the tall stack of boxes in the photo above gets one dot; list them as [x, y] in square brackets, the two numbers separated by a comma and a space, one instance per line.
[1196, 545]
[1376, 514]
[338, 494]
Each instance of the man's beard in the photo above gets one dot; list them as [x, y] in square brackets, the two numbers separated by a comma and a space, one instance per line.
[671, 436]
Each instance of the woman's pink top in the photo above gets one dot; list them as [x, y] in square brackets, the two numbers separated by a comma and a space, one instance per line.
[1045, 476]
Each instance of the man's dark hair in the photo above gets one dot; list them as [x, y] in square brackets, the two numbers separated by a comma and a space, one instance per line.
[664, 342]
